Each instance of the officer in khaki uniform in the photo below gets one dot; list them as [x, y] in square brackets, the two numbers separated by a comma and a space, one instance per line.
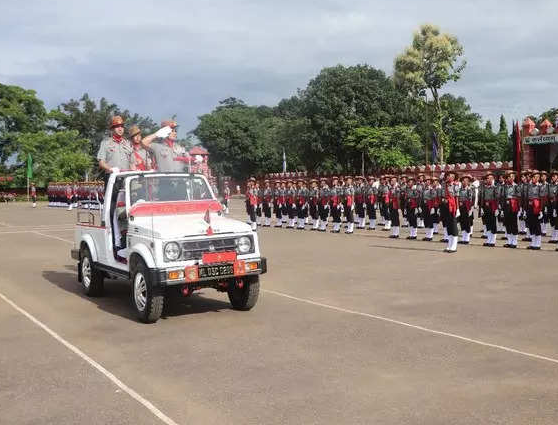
[169, 155]
[141, 159]
[114, 153]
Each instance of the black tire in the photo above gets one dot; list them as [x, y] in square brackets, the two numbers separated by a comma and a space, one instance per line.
[92, 280]
[147, 301]
[246, 297]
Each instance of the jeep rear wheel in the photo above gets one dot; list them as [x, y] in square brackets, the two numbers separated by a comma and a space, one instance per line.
[92, 280]
[147, 301]
[244, 292]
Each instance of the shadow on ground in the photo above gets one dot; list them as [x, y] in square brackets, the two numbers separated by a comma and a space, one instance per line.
[117, 297]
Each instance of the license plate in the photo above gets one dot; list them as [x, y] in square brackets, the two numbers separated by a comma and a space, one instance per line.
[216, 271]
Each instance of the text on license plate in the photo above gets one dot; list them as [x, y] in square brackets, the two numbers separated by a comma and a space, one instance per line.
[215, 271]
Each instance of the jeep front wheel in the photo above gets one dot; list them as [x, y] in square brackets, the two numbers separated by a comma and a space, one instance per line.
[244, 292]
[147, 301]
[92, 279]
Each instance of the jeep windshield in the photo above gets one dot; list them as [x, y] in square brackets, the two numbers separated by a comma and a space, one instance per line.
[161, 188]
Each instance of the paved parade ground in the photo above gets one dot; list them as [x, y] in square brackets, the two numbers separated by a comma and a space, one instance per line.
[348, 329]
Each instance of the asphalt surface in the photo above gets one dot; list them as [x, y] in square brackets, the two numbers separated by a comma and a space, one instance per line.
[355, 329]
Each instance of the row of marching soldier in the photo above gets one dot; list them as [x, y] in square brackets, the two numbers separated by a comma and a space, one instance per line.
[506, 205]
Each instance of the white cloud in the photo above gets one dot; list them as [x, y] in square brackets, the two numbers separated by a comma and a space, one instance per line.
[161, 57]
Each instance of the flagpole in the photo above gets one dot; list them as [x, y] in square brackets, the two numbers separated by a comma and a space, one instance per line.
[27, 188]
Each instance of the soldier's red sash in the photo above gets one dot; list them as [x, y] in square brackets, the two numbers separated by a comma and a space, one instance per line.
[535, 205]
[514, 204]
[350, 200]
[492, 204]
[371, 199]
[413, 202]
[359, 198]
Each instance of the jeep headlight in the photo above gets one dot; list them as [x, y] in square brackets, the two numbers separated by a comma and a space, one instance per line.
[172, 251]
[243, 245]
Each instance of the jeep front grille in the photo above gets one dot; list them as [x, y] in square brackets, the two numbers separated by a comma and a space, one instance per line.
[193, 250]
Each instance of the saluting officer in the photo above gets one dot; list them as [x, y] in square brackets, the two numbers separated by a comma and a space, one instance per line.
[114, 152]
[169, 155]
[141, 159]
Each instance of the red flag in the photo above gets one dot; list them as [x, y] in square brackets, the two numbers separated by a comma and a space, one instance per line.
[207, 219]
[517, 149]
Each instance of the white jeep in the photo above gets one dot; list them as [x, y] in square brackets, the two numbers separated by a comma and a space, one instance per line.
[166, 234]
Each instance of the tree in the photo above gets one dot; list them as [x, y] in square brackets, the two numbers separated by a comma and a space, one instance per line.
[20, 111]
[386, 147]
[426, 66]
[58, 156]
[488, 126]
[471, 143]
[239, 140]
[91, 119]
[503, 126]
[340, 99]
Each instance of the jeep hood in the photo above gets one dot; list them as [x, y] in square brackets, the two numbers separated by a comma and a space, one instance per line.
[186, 225]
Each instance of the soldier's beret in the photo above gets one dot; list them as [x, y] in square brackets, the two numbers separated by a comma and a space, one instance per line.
[489, 173]
[534, 172]
[335, 178]
[252, 179]
[543, 172]
[466, 176]
[553, 172]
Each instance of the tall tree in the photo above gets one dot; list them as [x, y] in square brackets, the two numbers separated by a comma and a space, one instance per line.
[386, 147]
[503, 125]
[20, 111]
[91, 119]
[240, 142]
[57, 156]
[342, 98]
[432, 60]
[488, 126]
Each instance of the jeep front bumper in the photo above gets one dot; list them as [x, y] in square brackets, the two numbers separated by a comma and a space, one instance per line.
[193, 275]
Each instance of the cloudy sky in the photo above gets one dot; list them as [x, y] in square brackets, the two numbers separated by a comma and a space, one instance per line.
[161, 57]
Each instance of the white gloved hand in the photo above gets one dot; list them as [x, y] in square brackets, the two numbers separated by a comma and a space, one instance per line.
[163, 132]
[471, 213]
[115, 170]
[419, 210]
[416, 211]
[432, 211]
[554, 214]
[497, 213]
[540, 215]
[457, 213]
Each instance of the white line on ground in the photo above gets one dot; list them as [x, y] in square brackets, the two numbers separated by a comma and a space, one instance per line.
[396, 322]
[11, 232]
[409, 325]
[146, 403]
[53, 237]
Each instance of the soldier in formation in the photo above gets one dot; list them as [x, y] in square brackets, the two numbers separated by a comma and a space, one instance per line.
[446, 204]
